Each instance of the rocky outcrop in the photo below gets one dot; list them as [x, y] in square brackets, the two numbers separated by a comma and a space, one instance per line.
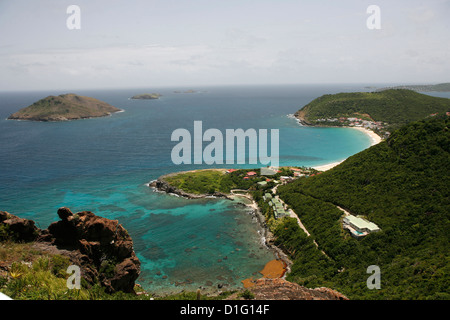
[103, 248]
[280, 289]
[19, 229]
[301, 117]
[162, 185]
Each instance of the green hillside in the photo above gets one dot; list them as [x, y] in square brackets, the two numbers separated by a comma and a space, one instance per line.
[401, 185]
[440, 87]
[64, 107]
[394, 107]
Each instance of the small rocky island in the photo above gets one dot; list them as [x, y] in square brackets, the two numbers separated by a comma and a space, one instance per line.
[64, 107]
[186, 91]
[146, 96]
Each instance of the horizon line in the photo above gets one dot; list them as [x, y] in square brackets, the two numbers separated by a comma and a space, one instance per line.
[193, 86]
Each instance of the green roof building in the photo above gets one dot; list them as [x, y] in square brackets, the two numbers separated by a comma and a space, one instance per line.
[358, 226]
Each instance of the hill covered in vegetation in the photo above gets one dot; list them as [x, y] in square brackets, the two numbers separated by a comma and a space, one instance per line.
[401, 185]
[64, 107]
[440, 87]
[394, 108]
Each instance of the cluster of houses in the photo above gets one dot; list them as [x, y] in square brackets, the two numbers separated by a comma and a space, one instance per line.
[270, 171]
[303, 172]
[355, 122]
[276, 204]
[358, 226]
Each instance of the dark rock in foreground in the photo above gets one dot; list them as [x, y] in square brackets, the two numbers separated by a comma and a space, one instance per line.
[101, 247]
[18, 228]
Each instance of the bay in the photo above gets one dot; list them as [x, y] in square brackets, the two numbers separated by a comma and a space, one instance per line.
[103, 165]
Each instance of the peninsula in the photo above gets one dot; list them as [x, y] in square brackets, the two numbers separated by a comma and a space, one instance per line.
[146, 96]
[400, 185]
[397, 186]
[382, 112]
[441, 87]
[64, 107]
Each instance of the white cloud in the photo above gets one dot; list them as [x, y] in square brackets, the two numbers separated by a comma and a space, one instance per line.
[110, 64]
[220, 42]
[421, 14]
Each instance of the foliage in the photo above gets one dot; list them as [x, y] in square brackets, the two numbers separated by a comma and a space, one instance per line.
[247, 294]
[5, 233]
[396, 107]
[65, 106]
[402, 186]
[210, 181]
[35, 275]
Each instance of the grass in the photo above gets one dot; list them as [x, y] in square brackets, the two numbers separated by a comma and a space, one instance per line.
[200, 182]
[31, 274]
[69, 106]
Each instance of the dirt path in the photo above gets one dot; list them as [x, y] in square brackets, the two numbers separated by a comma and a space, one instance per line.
[292, 214]
[343, 210]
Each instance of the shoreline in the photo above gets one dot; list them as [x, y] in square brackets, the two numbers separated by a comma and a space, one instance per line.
[325, 167]
[266, 237]
[66, 120]
[374, 140]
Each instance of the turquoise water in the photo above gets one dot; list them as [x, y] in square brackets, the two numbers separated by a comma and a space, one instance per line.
[103, 165]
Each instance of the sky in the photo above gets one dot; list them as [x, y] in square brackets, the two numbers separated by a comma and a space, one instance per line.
[158, 43]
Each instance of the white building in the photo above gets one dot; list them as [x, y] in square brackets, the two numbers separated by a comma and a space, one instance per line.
[359, 227]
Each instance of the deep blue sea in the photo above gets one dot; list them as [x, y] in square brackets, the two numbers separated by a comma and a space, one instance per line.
[104, 164]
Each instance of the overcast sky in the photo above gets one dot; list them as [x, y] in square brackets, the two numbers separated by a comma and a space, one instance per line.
[157, 43]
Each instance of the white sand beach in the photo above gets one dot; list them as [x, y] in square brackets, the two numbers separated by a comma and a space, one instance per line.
[326, 167]
[374, 138]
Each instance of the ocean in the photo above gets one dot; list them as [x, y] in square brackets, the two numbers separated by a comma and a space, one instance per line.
[104, 165]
